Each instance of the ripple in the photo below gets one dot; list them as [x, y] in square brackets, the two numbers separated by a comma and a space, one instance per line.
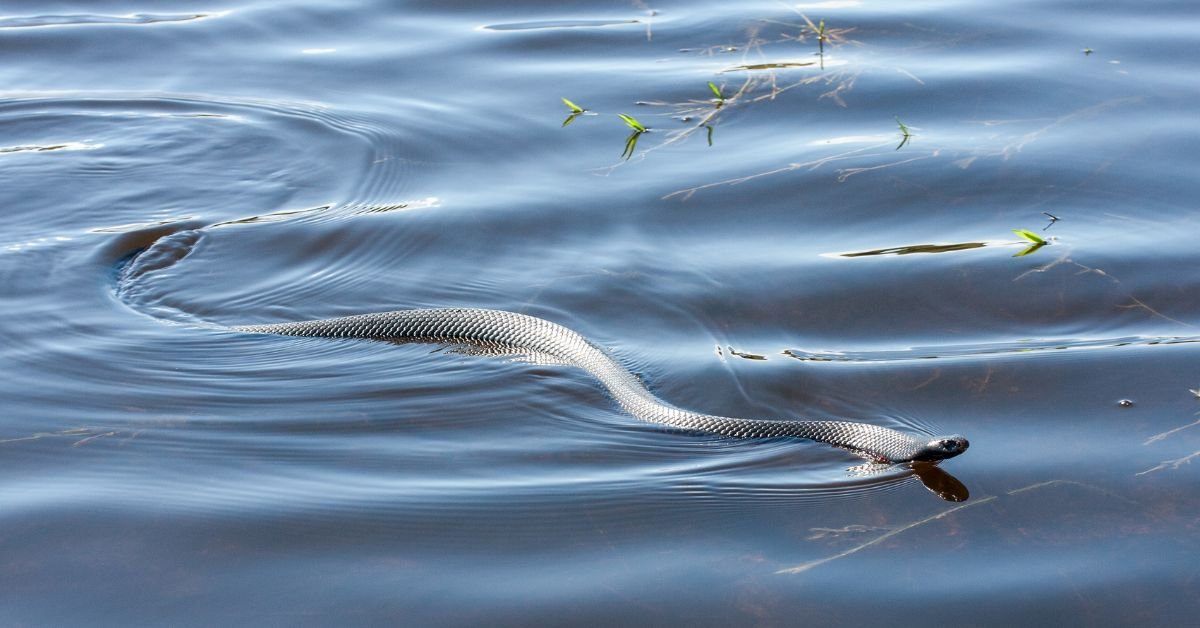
[339, 468]
[90, 19]
[325, 212]
[49, 147]
[614, 449]
[555, 24]
[144, 158]
[984, 349]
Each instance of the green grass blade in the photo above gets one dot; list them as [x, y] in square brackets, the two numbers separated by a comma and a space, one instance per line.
[574, 107]
[633, 123]
[716, 90]
[903, 131]
[1031, 236]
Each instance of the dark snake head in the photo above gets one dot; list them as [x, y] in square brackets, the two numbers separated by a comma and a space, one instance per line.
[941, 448]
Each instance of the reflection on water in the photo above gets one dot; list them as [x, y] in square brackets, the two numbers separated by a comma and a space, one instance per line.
[941, 483]
[919, 248]
[164, 469]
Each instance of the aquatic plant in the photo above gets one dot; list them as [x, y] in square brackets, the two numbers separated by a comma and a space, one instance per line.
[717, 90]
[702, 115]
[1037, 241]
[632, 140]
[903, 130]
[761, 83]
[1031, 236]
[576, 111]
[819, 29]
[633, 123]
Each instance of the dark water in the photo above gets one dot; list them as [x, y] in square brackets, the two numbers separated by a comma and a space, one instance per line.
[309, 159]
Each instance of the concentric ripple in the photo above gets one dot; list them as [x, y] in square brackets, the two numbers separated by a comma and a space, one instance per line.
[133, 158]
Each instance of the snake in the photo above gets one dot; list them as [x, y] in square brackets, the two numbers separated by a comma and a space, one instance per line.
[537, 336]
[502, 331]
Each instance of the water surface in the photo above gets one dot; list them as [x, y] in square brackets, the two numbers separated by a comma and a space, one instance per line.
[785, 253]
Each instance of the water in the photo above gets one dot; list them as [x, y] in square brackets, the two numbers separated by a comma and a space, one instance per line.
[294, 160]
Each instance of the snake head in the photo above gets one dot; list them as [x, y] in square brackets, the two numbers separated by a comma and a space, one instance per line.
[941, 448]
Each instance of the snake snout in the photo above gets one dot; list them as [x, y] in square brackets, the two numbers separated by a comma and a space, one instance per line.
[943, 447]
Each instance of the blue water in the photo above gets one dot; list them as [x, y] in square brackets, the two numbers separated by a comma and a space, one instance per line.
[787, 252]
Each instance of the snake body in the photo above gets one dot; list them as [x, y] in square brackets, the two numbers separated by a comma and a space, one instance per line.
[539, 336]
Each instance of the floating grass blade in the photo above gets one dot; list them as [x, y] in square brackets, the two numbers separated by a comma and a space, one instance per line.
[716, 90]
[904, 131]
[633, 123]
[574, 107]
[1036, 240]
[1031, 236]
